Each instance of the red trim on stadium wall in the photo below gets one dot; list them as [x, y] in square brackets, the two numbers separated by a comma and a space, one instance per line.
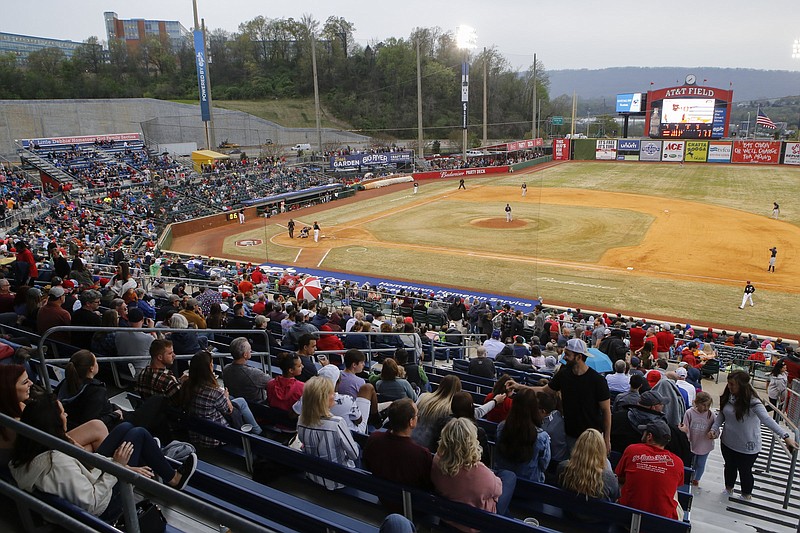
[765, 152]
[460, 173]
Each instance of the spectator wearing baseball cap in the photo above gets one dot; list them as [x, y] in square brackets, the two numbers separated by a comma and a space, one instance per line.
[134, 342]
[626, 422]
[52, 314]
[649, 473]
[584, 394]
[493, 345]
[681, 374]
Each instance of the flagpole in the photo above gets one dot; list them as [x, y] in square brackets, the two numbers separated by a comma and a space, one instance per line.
[758, 112]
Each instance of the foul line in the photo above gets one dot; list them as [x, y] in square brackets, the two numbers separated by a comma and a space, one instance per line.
[300, 251]
[323, 257]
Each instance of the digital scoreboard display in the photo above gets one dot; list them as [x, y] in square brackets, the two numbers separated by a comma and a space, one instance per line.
[688, 112]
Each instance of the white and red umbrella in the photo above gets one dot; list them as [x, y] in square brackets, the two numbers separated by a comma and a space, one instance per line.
[308, 288]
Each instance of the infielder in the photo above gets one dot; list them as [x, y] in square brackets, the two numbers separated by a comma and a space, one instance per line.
[748, 295]
[773, 254]
[776, 210]
[524, 189]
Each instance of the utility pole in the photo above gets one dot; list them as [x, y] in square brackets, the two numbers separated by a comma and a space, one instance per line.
[533, 119]
[420, 135]
[485, 98]
[316, 89]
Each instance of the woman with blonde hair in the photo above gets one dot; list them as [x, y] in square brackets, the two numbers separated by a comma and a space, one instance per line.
[324, 435]
[586, 472]
[459, 475]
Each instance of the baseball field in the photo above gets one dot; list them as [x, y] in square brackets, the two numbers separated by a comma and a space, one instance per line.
[663, 240]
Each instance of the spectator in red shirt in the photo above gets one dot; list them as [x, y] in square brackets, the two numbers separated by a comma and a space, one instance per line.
[665, 340]
[651, 336]
[649, 474]
[25, 257]
[637, 336]
[245, 287]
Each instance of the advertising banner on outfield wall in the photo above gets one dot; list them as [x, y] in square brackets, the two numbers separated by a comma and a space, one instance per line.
[767, 152]
[383, 158]
[792, 155]
[650, 151]
[460, 173]
[606, 149]
[560, 149]
[81, 139]
[672, 151]
[719, 152]
[527, 144]
[696, 151]
[628, 150]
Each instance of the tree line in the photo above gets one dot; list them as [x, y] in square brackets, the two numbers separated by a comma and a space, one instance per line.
[373, 87]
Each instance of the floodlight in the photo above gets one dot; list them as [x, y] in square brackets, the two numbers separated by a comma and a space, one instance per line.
[466, 38]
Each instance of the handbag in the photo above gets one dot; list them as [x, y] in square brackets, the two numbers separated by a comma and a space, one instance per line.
[149, 516]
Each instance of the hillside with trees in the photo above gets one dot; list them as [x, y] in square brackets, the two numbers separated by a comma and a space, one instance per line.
[373, 88]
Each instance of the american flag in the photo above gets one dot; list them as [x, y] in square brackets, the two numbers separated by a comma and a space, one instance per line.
[764, 120]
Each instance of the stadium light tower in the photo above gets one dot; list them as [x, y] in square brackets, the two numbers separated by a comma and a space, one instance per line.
[466, 39]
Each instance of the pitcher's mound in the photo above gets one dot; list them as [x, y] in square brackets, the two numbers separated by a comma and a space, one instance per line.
[498, 223]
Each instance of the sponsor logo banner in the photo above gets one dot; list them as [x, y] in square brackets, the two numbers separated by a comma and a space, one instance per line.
[756, 152]
[696, 151]
[792, 155]
[672, 151]
[650, 151]
[384, 158]
[606, 149]
[719, 152]
[524, 145]
[560, 149]
[629, 103]
[628, 145]
[460, 173]
[81, 139]
[627, 157]
[202, 74]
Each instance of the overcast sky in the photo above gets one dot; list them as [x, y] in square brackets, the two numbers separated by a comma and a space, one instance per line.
[564, 34]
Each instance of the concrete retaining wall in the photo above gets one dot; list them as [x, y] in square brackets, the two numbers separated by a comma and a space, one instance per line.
[160, 121]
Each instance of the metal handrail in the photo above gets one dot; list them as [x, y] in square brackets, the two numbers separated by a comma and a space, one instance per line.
[131, 479]
[791, 454]
[122, 358]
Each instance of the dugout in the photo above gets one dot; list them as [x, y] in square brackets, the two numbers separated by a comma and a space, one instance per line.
[272, 205]
[206, 157]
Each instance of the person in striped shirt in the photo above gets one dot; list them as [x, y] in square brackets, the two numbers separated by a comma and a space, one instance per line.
[324, 435]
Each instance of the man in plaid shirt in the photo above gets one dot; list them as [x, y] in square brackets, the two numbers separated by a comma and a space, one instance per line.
[156, 378]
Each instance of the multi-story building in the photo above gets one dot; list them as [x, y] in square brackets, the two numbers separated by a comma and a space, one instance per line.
[22, 45]
[134, 31]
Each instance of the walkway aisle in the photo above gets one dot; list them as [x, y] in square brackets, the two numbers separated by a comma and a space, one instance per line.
[715, 512]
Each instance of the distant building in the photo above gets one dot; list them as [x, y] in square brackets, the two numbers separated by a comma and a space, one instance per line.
[22, 45]
[133, 31]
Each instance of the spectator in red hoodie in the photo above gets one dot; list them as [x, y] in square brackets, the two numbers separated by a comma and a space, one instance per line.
[285, 390]
[330, 342]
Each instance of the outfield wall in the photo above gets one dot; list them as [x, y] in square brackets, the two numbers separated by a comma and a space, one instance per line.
[764, 152]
